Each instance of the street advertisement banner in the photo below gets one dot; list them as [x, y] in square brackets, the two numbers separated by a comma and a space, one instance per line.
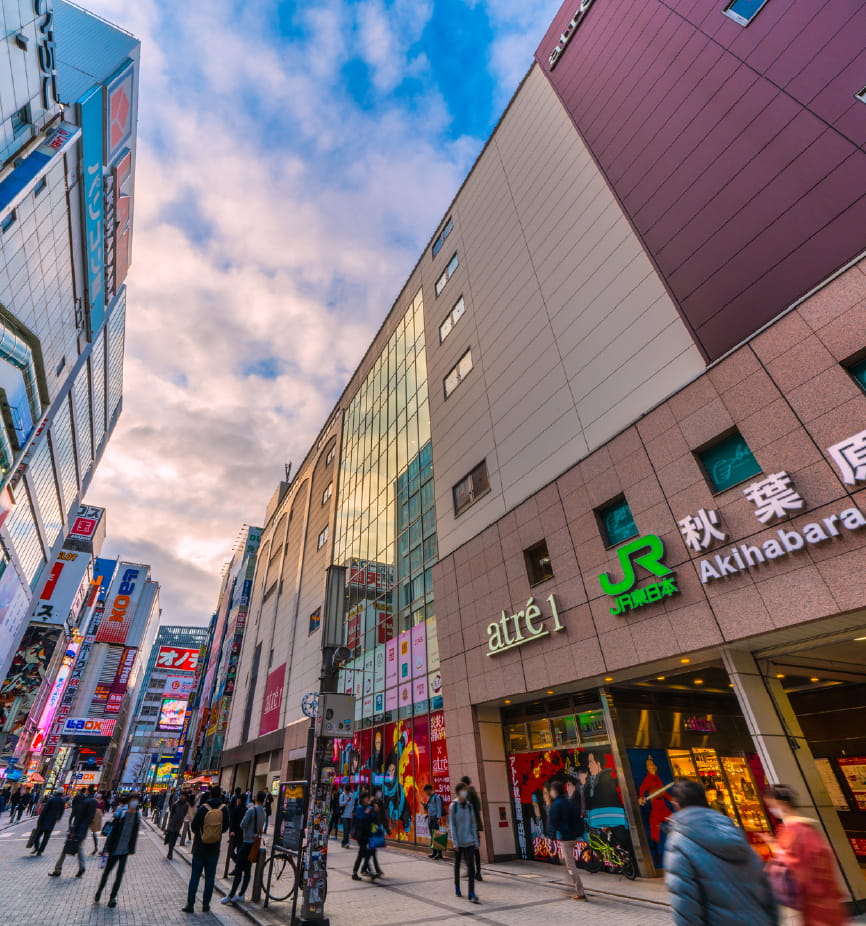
[14, 604]
[89, 726]
[122, 600]
[49, 712]
[121, 680]
[177, 659]
[290, 820]
[90, 115]
[651, 772]
[25, 677]
[171, 714]
[60, 589]
[178, 686]
[273, 701]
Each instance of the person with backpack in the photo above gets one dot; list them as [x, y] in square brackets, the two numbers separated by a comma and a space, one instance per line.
[464, 837]
[252, 827]
[435, 809]
[475, 802]
[119, 845]
[83, 811]
[565, 827]
[211, 820]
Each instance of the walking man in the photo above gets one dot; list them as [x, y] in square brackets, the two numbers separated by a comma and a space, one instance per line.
[435, 808]
[252, 827]
[119, 845]
[347, 803]
[176, 816]
[210, 822]
[49, 817]
[564, 823]
[714, 876]
[79, 825]
[464, 836]
[475, 802]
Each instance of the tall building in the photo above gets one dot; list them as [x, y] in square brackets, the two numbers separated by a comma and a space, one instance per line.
[212, 700]
[68, 102]
[162, 697]
[597, 482]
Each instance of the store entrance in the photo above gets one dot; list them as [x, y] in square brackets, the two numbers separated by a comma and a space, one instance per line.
[825, 686]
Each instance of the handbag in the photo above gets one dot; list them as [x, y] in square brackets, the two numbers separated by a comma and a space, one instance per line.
[377, 838]
[255, 848]
[106, 829]
[786, 886]
[31, 839]
[70, 847]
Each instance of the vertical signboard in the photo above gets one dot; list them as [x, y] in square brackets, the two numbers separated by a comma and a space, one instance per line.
[90, 114]
[25, 676]
[54, 604]
[121, 681]
[123, 598]
[273, 701]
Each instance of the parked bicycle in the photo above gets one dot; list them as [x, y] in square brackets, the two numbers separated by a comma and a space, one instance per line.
[281, 882]
[599, 853]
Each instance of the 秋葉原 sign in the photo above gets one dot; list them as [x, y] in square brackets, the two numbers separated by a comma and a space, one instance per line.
[522, 627]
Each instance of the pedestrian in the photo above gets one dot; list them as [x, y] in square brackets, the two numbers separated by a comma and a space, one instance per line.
[565, 827]
[252, 827]
[80, 818]
[464, 837]
[176, 816]
[714, 876]
[802, 869]
[434, 807]
[186, 832]
[334, 818]
[35, 794]
[96, 823]
[16, 801]
[269, 806]
[475, 801]
[119, 845]
[50, 815]
[363, 821]
[237, 811]
[347, 803]
[210, 822]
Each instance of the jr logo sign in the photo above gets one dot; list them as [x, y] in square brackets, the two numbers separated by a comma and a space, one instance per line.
[647, 552]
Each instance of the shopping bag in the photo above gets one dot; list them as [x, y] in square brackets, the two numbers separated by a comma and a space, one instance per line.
[31, 839]
[786, 886]
[440, 839]
[377, 837]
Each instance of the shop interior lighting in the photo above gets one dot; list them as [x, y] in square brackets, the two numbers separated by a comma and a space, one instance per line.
[859, 639]
[699, 681]
[685, 660]
[660, 678]
[550, 692]
[780, 675]
[814, 679]
[608, 678]
[508, 700]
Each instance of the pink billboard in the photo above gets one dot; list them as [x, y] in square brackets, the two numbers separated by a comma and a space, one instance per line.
[273, 702]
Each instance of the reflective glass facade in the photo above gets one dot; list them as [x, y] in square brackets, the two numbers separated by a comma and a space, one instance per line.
[24, 535]
[386, 536]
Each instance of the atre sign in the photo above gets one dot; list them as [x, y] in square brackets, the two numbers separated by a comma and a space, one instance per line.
[568, 32]
[522, 627]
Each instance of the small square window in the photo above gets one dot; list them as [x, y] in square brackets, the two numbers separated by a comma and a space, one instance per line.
[8, 221]
[858, 373]
[471, 488]
[315, 621]
[327, 493]
[323, 539]
[458, 373]
[43, 183]
[331, 454]
[728, 462]
[440, 238]
[743, 11]
[21, 120]
[861, 95]
[447, 273]
[538, 567]
[617, 523]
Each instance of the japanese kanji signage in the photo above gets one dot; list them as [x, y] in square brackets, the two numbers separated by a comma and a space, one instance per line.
[647, 552]
[176, 659]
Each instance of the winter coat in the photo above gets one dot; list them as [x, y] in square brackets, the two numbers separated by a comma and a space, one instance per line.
[96, 822]
[113, 838]
[362, 822]
[809, 856]
[463, 824]
[82, 816]
[563, 820]
[52, 811]
[714, 876]
[176, 816]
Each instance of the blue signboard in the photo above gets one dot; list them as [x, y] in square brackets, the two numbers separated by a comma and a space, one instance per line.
[90, 106]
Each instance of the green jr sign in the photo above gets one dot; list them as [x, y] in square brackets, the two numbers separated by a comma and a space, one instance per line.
[647, 552]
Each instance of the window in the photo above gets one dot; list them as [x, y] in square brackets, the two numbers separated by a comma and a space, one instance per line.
[8, 221]
[43, 183]
[743, 11]
[451, 319]
[315, 621]
[21, 120]
[538, 567]
[858, 372]
[323, 539]
[616, 521]
[331, 454]
[471, 488]
[458, 373]
[327, 493]
[447, 273]
[728, 462]
[861, 95]
[440, 238]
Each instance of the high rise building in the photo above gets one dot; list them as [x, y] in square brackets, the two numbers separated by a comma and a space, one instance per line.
[68, 102]
[159, 722]
[597, 482]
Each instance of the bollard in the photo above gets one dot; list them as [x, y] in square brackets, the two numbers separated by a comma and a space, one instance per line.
[259, 873]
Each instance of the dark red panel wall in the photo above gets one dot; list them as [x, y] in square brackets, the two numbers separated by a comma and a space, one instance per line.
[739, 153]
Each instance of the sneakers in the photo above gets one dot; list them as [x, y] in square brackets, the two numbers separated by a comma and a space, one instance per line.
[205, 909]
[240, 899]
[53, 874]
[187, 909]
[96, 898]
[457, 892]
[579, 897]
[227, 899]
[356, 876]
[80, 873]
[473, 898]
[111, 903]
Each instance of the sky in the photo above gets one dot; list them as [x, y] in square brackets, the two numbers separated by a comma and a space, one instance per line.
[293, 161]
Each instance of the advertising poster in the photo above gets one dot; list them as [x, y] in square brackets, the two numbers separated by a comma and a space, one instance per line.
[391, 699]
[379, 668]
[434, 684]
[121, 680]
[432, 644]
[272, 702]
[60, 588]
[419, 651]
[177, 659]
[440, 776]
[171, 714]
[14, 602]
[651, 771]
[404, 657]
[123, 597]
[178, 686]
[290, 814]
[593, 769]
[25, 675]
[853, 769]
[419, 691]
[391, 663]
[404, 695]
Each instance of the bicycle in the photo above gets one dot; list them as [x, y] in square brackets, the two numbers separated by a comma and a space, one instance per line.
[599, 853]
[282, 881]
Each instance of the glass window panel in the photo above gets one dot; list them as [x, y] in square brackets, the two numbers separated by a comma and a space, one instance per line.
[414, 507]
[429, 522]
[415, 534]
[427, 496]
[518, 739]
[540, 736]
[729, 462]
[430, 549]
[415, 561]
[564, 731]
[418, 587]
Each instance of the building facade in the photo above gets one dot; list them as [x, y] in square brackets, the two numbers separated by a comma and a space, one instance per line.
[599, 469]
[68, 103]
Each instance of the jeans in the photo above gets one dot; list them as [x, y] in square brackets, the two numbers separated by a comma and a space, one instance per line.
[185, 833]
[468, 853]
[243, 868]
[347, 826]
[42, 837]
[208, 865]
[566, 853]
[366, 855]
[58, 867]
[95, 836]
[113, 860]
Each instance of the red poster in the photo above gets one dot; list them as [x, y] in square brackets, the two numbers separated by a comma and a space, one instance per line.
[177, 659]
[273, 700]
[441, 779]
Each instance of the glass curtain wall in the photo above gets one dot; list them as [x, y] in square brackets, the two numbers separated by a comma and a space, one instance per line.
[386, 536]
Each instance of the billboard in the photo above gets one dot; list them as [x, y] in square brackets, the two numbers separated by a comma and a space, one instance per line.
[122, 600]
[89, 726]
[178, 686]
[55, 602]
[273, 701]
[121, 680]
[177, 659]
[14, 604]
[25, 676]
[90, 116]
[171, 714]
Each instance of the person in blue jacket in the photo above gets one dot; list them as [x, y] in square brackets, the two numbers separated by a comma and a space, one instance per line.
[364, 818]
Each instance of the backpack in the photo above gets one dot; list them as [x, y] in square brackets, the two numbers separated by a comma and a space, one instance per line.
[212, 826]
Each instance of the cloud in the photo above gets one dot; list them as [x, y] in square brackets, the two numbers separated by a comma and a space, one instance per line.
[280, 205]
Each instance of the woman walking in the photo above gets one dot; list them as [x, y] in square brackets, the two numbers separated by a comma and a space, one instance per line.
[363, 820]
[464, 837]
[176, 816]
[119, 845]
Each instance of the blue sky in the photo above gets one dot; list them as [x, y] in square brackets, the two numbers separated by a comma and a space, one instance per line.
[293, 160]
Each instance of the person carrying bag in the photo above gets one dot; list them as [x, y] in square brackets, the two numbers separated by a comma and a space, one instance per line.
[252, 827]
[435, 808]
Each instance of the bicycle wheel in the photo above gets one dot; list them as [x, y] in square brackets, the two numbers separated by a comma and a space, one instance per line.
[592, 861]
[627, 866]
[284, 877]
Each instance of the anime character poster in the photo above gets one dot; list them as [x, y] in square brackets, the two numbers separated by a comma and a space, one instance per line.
[26, 674]
[593, 785]
[651, 772]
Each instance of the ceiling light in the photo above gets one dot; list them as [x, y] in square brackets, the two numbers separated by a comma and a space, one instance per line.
[730, 684]
[685, 660]
[608, 678]
[508, 700]
[859, 639]
[780, 675]
[660, 678]
[550, 692]
[699, 681]
[814, 679]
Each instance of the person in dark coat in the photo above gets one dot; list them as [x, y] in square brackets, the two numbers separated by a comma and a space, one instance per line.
[205, 851]
[237, 812]
[119, 845]
[80, 819]
[176, 816]
[714, 876]
[50, 815]
[566, 828]
[475, 801]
